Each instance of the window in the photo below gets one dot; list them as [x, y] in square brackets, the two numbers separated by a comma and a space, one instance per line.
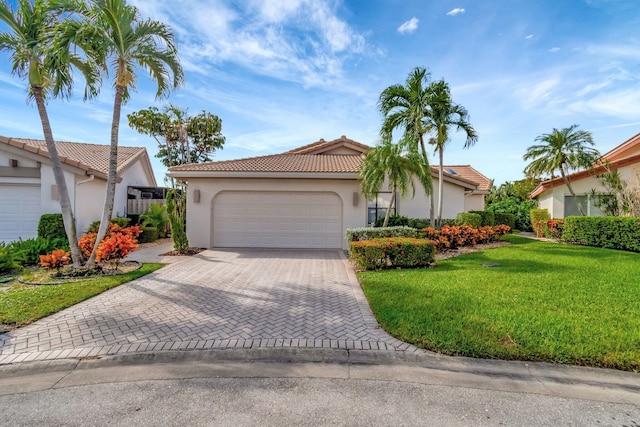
[377, 208]
[587, 203]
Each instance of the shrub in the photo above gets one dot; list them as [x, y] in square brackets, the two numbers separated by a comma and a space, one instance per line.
[520, 208]
[31, 249]
[394, 221]
[148, 235]
[467, 218]
[368, 233]
[538, 216]
[9, 259]
[488, 217]
[120, 222]
[51, 226]
[452, 237]
[156, 216]
[111, 241]
[382, 253]
[419, 223]
[505, 219]
[55, 260]
[621, 233]
[551, 228]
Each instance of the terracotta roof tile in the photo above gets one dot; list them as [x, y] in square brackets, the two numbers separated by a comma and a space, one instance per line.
[322, 145]
[89, 157]
[470, 174]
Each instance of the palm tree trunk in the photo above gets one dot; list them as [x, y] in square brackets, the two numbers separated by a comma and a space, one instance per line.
[391, 203]
[431, 204]
[112, 175]
[573, 194]
[440, 186]
[58, 174]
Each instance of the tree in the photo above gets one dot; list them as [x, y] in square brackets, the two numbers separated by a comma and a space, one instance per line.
[408, 107]
[387, 161]
[619, 197]
[561, 151]
[116, 36]
[443, 115]
[47, 68]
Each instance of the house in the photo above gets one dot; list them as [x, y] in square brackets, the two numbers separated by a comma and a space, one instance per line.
[303, 198]
[28, 188]
[554, 195]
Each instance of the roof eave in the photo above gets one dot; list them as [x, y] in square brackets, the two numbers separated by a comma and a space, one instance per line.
[276, 175]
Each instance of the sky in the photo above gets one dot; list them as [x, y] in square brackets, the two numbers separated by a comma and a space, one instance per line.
[282, 74]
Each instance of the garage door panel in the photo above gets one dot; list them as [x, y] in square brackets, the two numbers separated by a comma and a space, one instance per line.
[20, 212]
[277, 219]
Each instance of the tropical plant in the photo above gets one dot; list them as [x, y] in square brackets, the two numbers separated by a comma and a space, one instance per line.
[619, 197]
[46, 66]
[116, 37]
[561, 151]
[387, 161]
[445, 114]
[408, 107]
[156, 216]
[177, 212]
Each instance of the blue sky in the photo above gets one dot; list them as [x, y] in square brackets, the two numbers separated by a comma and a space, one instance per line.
[285, 73]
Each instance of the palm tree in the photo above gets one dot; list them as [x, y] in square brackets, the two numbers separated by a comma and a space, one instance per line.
[408, 107]
[445, 114]
[562, 150]
[116, 36]
[47, 68]
[387, 160]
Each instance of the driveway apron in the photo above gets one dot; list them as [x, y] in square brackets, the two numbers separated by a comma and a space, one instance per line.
[244, 298]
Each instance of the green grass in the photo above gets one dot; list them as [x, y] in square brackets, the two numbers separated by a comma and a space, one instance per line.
[21, 305]
[546, 302]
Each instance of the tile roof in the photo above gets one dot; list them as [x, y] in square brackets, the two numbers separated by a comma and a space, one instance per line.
[469, 173]
[322, 145]
[89, 157]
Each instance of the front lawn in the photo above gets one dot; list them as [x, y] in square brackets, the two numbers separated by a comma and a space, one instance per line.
[24, 304]
[545, 302]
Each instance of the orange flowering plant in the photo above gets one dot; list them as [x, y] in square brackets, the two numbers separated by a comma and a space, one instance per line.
[117, 244]
[56, 259]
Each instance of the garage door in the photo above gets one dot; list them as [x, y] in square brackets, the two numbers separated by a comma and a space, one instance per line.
[277, 220]
[20, 211]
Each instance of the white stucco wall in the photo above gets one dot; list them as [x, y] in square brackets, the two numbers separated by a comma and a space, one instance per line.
[474, 202]
[418, 206]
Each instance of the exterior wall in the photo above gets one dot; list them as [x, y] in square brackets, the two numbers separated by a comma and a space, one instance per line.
[200, 215]
[89, 201]
[133, 176]
[22, 161]
[474, 202]
[418, 206]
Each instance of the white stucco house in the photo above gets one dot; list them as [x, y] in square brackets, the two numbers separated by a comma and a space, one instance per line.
[554, 196]
[304, 198]
[28, 188]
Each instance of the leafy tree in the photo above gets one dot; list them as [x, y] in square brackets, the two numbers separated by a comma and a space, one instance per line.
[520, 189]
[408, 107]
[445, 114]
[561, 151]
[118, 38]
[387, 161]
[619, 197]
[47, 67]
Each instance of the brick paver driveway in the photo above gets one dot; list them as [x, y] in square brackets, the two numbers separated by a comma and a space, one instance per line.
[217, 299]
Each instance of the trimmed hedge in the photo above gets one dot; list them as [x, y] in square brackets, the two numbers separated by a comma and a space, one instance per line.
[611, 232]
[536, 216]
[377, 254]
[148, 235]
[488, 218]
[467, 218]
[368, 233]
[505, 219]
[51, 226]
[394, 221]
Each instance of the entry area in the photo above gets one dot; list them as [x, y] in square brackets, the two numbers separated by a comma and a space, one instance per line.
[277, 219]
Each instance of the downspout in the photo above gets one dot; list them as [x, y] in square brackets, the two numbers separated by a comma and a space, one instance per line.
[75, 194]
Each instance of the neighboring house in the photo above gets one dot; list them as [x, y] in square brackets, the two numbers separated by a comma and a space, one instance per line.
[304, 198]
[554, 196]
[28, 188]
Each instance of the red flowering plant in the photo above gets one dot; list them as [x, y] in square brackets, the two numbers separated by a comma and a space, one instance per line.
[117, 244]
[55, 260]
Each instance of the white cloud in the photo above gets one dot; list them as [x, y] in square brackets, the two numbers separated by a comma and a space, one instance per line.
[455, 11]
[529, 37]
[619, 104]
[554, 49]
[409, 26]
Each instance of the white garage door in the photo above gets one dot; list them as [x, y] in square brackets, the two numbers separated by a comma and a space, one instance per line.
[19, 211]
[277, 220]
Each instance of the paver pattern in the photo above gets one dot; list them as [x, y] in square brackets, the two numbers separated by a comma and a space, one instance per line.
[216, 299]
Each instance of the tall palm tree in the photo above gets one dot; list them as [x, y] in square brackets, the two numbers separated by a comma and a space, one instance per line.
[443, 115]
[562, 151]
[408, 107]
[387, 161]
[35, 56]
[116, 37]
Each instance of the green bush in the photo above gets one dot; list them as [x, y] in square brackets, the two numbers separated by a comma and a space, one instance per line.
[31, 249]
[51, 226]
[148, 235]
[394, 221]
[368, 233]
[122, 222]
[419, 223]
[156, 216]
[537, 215]
[611, 232]
[505, 219]
[9, 259]
[377, 254]
[467, 218]
[517, 207]
[488, 217]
